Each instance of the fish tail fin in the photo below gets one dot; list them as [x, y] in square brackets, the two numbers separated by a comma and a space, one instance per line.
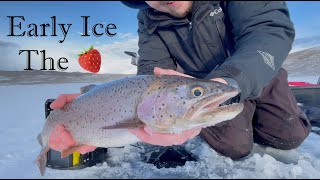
[42, 159]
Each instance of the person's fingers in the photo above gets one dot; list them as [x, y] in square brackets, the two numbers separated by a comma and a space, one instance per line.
[192, 133]
[184, 136]
[148, 130]
[140, 133]
[86, 148]
[62, 100]
[163, 139]
[145, 137]
[60, 139]
[174, 139]
[160, 71]
[220, 80]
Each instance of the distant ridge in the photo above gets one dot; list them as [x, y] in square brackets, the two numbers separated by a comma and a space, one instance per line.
[304, 62]
[300, 63]
[53, 77]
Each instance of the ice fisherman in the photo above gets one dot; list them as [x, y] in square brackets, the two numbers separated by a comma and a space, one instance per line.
[239, 43]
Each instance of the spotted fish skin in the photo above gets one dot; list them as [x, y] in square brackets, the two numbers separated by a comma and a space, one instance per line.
[169, 104]
[103, 105]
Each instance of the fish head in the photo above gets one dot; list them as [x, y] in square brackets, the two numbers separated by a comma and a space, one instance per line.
[173, 104]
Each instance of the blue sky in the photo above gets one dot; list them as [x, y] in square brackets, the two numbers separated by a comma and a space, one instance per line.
[304, 14]
[70, 12]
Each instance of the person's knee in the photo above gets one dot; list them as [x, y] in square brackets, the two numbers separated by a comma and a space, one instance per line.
[287, 138]
[237, 151]
[235, 148]
[293, 138]
[233, 138]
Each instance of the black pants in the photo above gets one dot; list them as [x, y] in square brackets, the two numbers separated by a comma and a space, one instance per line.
[273, 119]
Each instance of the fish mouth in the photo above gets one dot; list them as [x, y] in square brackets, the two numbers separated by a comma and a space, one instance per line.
[210, 104]
[206, 112]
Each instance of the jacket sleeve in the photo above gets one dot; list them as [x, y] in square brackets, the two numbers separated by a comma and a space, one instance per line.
[152, 50]
[263, 34]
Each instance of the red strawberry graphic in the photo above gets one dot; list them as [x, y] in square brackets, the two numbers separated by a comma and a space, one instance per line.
[90, 60]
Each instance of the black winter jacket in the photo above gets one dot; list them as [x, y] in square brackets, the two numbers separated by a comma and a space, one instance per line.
[244, 40]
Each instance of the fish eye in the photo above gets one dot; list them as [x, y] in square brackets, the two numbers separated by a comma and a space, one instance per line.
[197, 91]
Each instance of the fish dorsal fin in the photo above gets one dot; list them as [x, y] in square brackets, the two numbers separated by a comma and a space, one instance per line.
[127, 124]
[87, 88]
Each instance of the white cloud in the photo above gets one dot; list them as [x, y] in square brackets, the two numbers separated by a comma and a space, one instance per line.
[114, 60]
[10, 59]
[126, 35]
[305, 43]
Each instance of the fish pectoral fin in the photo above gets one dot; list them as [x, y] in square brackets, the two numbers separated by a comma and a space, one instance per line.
[67, 152]
[129, 124]
[82, 149]
[42, 159]
[87, 88]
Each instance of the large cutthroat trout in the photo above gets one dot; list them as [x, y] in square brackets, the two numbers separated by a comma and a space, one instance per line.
[102, 114]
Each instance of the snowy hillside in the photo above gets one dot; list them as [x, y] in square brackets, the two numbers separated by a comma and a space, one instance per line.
[304, 63]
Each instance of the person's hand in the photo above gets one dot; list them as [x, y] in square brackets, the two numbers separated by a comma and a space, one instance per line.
[62, 100]
[160, 71]
[163, 139]
[60, 139]
[145, 134]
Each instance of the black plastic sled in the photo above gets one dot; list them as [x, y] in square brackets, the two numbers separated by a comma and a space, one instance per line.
[308, 98]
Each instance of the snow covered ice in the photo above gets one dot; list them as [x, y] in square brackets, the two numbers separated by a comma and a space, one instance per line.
[22, 118]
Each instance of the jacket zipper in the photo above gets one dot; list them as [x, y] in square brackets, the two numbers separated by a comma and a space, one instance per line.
[225, 49]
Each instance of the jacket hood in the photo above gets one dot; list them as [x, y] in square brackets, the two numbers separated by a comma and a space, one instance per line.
[136, 4]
